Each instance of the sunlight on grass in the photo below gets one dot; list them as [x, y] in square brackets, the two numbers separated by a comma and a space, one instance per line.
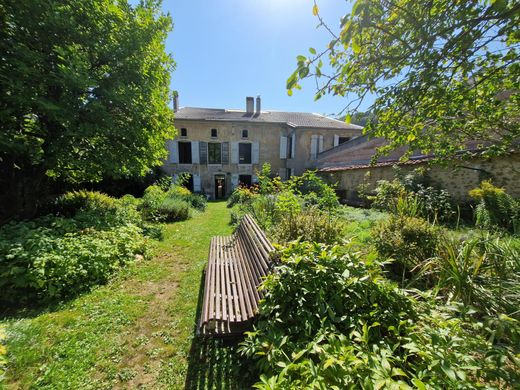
[136, 331]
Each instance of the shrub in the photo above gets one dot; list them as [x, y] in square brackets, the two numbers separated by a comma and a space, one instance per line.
[241, 195]
[72, 202]
[496, 208]
[406, 240]
[387, 193]
[197, 201]
[309, 225]
[346, 327]
[50, 258]
[172, 210]
[413, 199]
[437, 204]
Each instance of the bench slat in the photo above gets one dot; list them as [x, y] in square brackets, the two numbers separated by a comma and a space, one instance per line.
[236, 266]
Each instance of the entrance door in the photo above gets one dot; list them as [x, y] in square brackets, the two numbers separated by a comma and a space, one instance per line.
[220, 186]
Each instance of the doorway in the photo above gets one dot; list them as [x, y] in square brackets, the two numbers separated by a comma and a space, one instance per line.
[220, 186]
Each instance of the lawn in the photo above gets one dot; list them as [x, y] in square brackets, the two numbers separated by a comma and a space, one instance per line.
[135, 332]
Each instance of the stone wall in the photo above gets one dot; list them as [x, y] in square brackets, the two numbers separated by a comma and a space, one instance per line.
[458, 178]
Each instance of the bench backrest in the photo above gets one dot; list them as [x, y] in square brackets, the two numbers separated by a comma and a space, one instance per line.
[255, 246]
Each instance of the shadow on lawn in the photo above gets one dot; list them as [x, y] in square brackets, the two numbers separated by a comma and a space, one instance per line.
[216, 363]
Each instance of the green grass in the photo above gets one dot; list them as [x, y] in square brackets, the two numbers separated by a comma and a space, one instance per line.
[135, 332]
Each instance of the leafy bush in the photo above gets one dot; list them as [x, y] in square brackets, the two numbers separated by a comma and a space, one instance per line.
[309, 225]
[72, 202]
[346, 327]
[197, 201]
[242, 195]
[406, 240]
[413, 199]
[496, 208]
[172, 210]
[51, 257]
[387, 193]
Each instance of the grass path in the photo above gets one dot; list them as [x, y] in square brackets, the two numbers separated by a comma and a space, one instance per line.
[135, 332]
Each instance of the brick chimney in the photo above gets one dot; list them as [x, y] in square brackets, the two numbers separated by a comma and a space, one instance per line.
[175, 102]
[258, 105]
[250, 105]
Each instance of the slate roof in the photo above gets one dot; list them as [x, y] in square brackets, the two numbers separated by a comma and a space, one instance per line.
[292, 119]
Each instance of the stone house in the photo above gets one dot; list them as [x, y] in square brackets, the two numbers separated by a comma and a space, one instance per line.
[221, 148]
[350, 164]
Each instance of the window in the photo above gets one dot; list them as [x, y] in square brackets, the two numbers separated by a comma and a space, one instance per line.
[214, 153]
[244, 153]
[289, 147]
[184, 132]
[244, 133]
[184, 152]
[245, 180]
[213, 133]
[343, 139]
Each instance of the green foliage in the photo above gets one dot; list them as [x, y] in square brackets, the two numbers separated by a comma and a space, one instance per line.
[496, 208]
[346, 327]
[267, 184]
[74, 71]
[406, 196]
[300, 208]
[54, 257]
[173, 209]
[197, 201]
[406, 240]
[443, 72]
[482, 272]
[242, 195]
[309, 225]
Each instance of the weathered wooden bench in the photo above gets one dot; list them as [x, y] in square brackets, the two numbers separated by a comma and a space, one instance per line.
[236, 267]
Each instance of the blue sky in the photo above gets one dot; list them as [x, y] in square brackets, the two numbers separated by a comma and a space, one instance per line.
[226, 50]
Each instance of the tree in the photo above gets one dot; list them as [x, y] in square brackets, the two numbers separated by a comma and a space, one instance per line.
[85, 91]
[444, 73]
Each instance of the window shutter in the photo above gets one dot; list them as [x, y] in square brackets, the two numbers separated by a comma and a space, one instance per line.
[175, 177]
[336, 140]
[293, 146]
[196, 183]
[234, 153]
[195, 152]
[203, 152]
[283, 147]
[173, 148]
[255, 153]
[320, 144]
[254, 179]
[225, 153]
[234, 181]
[314, 146]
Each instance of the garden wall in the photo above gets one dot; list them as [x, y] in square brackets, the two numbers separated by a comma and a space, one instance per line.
[458, 178]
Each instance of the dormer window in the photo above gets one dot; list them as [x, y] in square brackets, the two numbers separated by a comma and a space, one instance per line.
[213, 133]
[245, 133]
[184, 132]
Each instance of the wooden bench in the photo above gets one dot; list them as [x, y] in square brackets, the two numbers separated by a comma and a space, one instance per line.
[236, 266]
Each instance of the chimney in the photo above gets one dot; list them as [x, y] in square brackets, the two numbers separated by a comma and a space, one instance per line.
[175, 102]
[258, 105]
[250, 105]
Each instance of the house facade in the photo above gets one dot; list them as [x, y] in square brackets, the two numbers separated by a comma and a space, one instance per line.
[222, 148]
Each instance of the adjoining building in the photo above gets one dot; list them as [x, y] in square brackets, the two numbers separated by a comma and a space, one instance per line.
[221, 148]
[350, 165]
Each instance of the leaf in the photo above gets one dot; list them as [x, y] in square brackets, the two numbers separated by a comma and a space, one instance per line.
[312, 50]
[348, 118]
[315, 10]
